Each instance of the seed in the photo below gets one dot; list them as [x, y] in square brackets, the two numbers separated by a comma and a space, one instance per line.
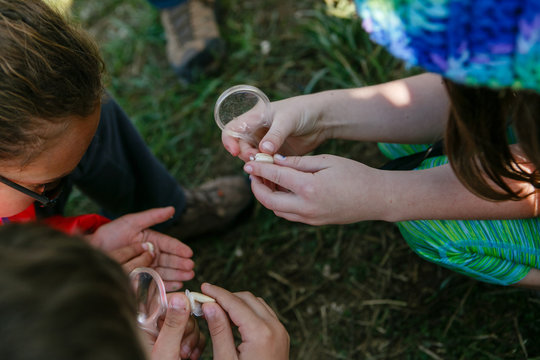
[262, 157]
[196, 300]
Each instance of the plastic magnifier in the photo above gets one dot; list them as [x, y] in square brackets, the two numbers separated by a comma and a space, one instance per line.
[243, 111]
[151, 298]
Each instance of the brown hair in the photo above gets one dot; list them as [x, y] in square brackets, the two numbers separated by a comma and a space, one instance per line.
[50, 70]
[477, 138]
[63, 299]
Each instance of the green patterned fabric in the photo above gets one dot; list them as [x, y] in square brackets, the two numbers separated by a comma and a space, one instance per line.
[494, 251]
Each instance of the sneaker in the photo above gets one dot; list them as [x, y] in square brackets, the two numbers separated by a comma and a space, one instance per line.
[193, 40]
[213, 207]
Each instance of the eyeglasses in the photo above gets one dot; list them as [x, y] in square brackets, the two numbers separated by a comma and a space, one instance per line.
[151, 298]
[48, 197]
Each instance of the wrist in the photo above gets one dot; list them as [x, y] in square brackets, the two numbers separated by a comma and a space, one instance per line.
[324, 106]
[396, 204]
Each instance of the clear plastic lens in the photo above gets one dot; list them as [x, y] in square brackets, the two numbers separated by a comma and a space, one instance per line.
[151, 298]
[243, 111]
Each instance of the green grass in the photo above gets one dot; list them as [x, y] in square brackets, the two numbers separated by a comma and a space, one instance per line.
[343, 292]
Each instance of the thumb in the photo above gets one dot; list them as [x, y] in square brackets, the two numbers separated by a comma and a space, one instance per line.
[167, 346]
[308, 164]
[276, 136]
[220, 332]
[148, 218]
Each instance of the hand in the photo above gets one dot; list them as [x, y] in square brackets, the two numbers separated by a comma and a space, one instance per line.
[179, 335]
[133, 256]
[295, 130]
[263, 336]
[172, 258]
[321, 189]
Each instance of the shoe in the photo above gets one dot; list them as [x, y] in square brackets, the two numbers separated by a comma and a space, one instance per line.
[193, 40]
[213, 207]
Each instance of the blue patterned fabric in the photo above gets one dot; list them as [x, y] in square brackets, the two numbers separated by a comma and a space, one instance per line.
[495, 43]
[494, 251]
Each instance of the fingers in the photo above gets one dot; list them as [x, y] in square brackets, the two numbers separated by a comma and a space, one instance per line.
[172, 330]
[148, 218]
[277, 201]
[246, 151]
[308, 164]
[143, 260]
[263, 336]
[132, 256]
[168, 244]
[173, 278]
[239, 312]
[128, 252]
[175, 262]
[171, 286]
[220, 331]
[230, 143]
[270, 310]
[193, 342]
[168, 274]
[238, 147]
[276, 136]
[294, 217]
[290, 172]
[257, 304]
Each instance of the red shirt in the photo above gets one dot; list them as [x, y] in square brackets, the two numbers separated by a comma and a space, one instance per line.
[72, 225]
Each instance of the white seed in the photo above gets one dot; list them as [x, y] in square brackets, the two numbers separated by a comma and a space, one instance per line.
[262, 157]
[203, 299]
[150, 247]
[196, 300]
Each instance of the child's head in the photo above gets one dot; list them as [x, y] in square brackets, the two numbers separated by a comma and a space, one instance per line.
[62, 299]
[488, 51]
[50, 95]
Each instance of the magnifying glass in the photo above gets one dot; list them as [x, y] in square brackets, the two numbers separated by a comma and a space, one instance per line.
[243, 111]
[151, 298]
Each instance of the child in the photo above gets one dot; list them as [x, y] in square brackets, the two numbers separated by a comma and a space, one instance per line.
[58, 129]
[474, 211]
[67, 300]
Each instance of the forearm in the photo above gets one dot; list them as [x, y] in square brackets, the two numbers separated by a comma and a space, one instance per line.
[437, 194]
[411, 110]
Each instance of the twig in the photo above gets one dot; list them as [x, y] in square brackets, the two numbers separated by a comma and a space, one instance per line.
[324, 325]
[279, 278]
[520, 338]
[391, 302]
[429, 353]
[458, 310]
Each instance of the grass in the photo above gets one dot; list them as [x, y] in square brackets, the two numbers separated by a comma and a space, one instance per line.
[343, 292]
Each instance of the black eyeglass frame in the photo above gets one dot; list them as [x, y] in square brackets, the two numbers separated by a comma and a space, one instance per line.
[43, 199]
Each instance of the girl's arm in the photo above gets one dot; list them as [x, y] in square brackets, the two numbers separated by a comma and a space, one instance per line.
[410, 110]
[437, 194]
[326, 189]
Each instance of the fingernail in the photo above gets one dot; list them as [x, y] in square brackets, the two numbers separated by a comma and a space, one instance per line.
[268, 146]
[279, 157]
[251, 157]
[186, 351]
[148, 246]
[248, 169]
[209, 311]
[178, 303]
